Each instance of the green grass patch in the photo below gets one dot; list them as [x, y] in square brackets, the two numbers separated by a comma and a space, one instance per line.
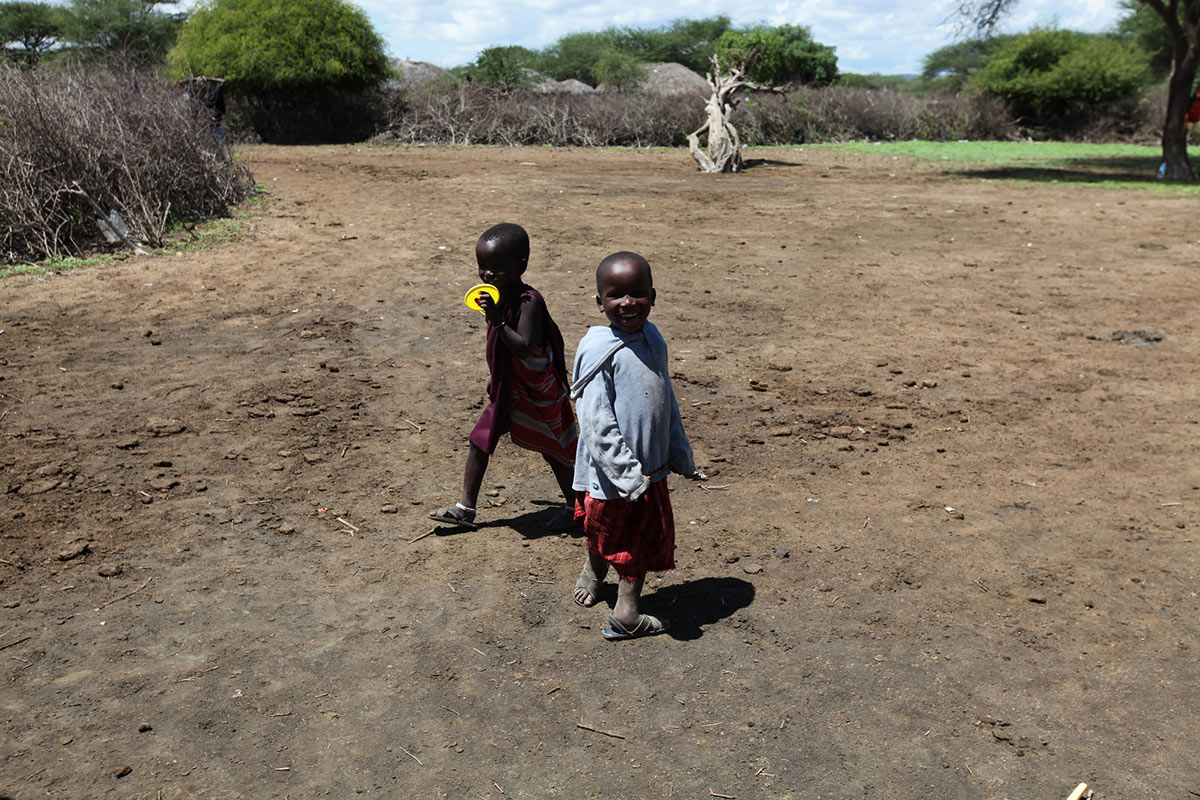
[184, 237]
[51, 266]
[1114, 166]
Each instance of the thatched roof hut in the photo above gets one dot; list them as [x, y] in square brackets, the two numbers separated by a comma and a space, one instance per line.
[667, 79]
[415, 73]
[670, 78]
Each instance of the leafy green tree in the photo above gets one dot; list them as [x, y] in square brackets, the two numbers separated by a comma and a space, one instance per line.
[783, 54]
[1043, 72]
[1145, 28]
[604, 56]
[265, 47]
[133, 29]
[952, 66]
[690, 42]
[1181, 19]
[618, 69]
[575, 55]
[504, 67]
[36, 27]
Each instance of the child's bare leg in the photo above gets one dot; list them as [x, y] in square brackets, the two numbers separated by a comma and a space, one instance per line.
[477, 464]
[629, 592]
[565, 476]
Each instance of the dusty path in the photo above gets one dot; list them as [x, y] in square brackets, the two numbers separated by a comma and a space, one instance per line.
[946, 550]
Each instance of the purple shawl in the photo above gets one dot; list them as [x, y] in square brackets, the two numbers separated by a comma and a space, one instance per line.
[493, 422]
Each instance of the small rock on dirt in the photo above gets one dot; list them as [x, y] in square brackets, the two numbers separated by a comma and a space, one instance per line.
[121, 772]
[74, 550]
[164, 427]
[389, 509]
[38, 487]
[929, 383]
[842, 431]
[783, 552]
[163, 482]
[1137, 338]
[110, 570]
[751, 569]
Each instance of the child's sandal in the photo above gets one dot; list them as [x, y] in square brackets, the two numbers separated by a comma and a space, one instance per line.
[457, 514]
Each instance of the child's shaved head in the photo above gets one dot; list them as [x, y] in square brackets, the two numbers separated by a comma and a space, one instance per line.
[507, 238]
[623, 260]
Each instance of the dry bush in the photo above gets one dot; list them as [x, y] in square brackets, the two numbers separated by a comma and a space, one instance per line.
[839, 114]
[447, 113]
[471, 115]
[1139, 120]
[132, 143]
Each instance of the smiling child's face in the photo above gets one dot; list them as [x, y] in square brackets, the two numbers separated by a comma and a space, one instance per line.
[498, 265]
[625, 293]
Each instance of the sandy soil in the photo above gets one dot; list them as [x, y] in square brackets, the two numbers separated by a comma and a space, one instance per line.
[946, 549]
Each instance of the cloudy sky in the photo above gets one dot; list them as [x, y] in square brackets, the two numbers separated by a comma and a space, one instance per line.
[870, 35]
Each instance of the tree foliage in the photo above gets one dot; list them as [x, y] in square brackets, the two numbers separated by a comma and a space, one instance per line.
[1043, 72]
[782, 54]
[504, 67]
[618, 69]
[34, 27]
[612, 55]
[1181, 20]
[264, 47]
[951, 67]
[1144, 27]
[133, 29]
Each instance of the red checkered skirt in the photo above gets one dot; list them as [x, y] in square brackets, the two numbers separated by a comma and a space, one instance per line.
[635, 536]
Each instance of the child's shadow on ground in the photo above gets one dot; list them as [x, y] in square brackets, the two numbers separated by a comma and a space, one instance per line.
[530, 525]
[692, 605]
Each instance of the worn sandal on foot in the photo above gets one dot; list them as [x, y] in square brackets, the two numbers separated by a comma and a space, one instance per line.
[646, 626]
[590, 584]
[457, 514]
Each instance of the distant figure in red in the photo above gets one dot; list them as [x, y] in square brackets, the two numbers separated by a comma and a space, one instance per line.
[1193, 114]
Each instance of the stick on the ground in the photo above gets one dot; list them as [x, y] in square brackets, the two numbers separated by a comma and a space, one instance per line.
[711, 793]
[429, 532]
[597, 730]
[415, 425]
[122, 597]
[14, 644]
[347, 524]
[410, 755]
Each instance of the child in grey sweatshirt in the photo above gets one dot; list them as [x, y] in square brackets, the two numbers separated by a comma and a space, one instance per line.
[630, 437]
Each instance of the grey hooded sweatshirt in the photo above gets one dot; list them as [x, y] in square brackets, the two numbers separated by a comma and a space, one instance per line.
[630, 431]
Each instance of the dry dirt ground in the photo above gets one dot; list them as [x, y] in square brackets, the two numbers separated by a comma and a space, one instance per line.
[946, 549]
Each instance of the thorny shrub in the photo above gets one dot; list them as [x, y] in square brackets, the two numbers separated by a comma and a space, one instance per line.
[132, 143]
[474, 115]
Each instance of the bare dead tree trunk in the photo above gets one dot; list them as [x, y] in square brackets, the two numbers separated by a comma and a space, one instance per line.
[723, 150]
